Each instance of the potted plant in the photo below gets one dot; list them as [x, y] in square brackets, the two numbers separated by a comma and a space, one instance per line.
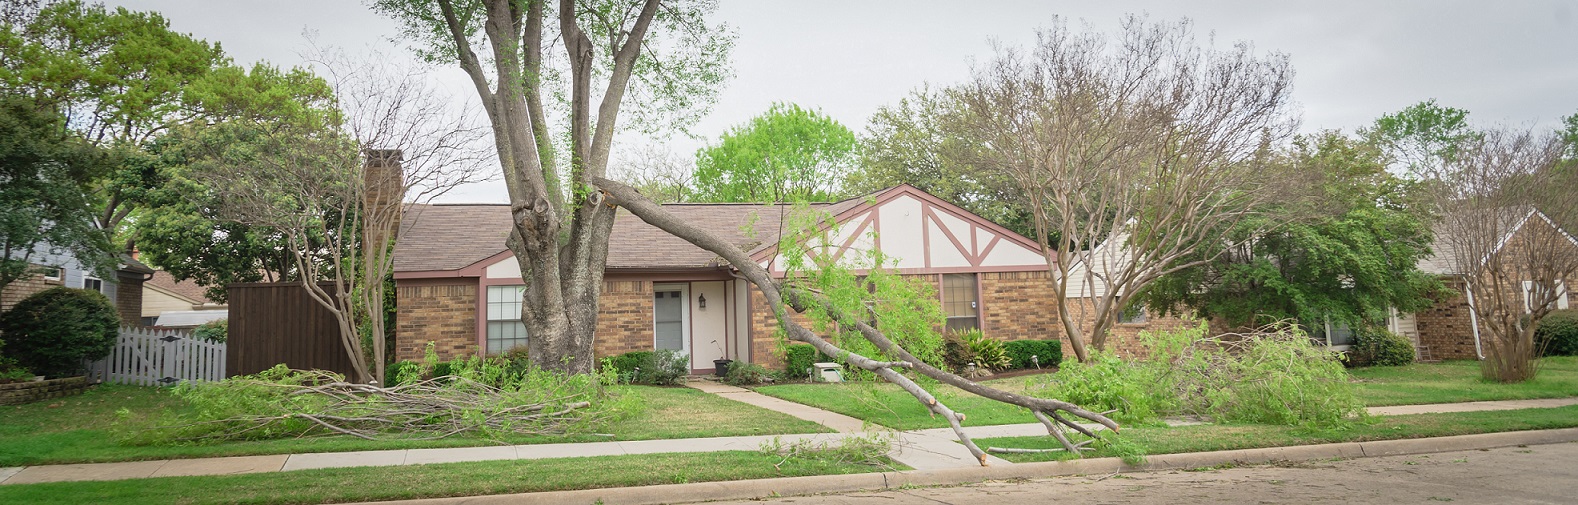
[720, 365]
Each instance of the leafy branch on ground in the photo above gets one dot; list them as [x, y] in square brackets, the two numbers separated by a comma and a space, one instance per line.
[481, 398]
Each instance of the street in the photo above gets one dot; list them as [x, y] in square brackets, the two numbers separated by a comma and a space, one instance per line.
[1534, 474]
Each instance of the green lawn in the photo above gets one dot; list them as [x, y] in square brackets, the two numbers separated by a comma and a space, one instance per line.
[1165, 440]
[86, 428]
[1459, 381]
[887, 405]
[431, 481]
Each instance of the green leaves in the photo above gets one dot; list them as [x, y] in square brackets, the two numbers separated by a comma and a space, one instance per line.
[786, 154]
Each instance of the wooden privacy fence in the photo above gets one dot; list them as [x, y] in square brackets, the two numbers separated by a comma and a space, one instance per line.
[279, 323]
[160, 357]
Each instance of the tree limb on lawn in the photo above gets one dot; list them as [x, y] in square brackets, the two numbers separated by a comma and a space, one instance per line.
[781, 296]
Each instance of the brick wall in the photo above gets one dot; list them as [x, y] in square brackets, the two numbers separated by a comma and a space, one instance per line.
[444, 314]
[17, 393]
[23, 288]
[1019, 306]
[624, 318]
[1446, 328]
[128, 297]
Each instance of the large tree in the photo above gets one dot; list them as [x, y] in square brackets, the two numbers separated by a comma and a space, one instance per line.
[1145, 144]
[786, 154]
[919, 141]
[45, 177]
[663, 55]
[1349, 253]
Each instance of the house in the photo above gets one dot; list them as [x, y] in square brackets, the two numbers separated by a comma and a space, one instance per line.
[1449, 329]
[59, 268]
[458, 286]
[185, 302]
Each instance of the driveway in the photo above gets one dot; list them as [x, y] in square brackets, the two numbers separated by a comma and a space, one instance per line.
[1533, 474]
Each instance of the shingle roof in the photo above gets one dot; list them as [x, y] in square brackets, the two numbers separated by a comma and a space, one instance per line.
[186, 289]
[452, 237]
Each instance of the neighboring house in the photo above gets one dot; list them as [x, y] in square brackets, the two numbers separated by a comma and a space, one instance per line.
[59, 268]
[1088, 284]
[460, 287]
[186, 302]
[1449, 329]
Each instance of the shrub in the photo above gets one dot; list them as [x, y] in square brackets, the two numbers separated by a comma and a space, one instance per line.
[213, 331]
[662, 367]
[54, 331]
[1269, 378]
[746, 374]
[1378, 347]
[1557, 333]
[1047, 352]
[1106, 383]
[801, 357]
[971, 346]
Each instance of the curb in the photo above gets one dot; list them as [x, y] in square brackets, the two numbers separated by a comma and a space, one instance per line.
[821, 484]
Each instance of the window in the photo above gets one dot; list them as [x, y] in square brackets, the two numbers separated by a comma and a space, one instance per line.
[1134, 314]
[959, 302]
[505, 329]
[93, 283]
[1333, 334]
[54, 274]
[1529, 296]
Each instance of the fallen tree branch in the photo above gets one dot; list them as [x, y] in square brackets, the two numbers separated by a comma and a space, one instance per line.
[781, 297]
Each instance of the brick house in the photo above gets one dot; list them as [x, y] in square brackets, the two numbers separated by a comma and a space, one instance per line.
[57, 267]
[457, 285]
[1450, 329]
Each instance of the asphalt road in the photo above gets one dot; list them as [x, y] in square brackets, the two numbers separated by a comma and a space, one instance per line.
[1513, 475]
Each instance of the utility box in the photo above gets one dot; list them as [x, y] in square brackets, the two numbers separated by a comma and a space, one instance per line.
[828, 372]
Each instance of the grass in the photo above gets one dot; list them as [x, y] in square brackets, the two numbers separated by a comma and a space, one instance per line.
[431, 481]
[1165, 440]
[86, 428]
[1460, 381]
[887, 405]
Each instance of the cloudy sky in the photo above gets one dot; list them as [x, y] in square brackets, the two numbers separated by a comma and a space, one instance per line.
[1506, 62]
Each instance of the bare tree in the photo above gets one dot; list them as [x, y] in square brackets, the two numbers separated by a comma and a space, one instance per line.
[1493, 195]
[1131, 154]
[663, 53]
[783, 296]
[657, 172]
[334, 186]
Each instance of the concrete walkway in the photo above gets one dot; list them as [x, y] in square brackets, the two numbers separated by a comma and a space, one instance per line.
[930, 449]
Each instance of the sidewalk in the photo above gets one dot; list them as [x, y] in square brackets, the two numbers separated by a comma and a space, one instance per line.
[930, 449]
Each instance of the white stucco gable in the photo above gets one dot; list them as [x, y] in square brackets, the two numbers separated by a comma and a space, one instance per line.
[919, 233]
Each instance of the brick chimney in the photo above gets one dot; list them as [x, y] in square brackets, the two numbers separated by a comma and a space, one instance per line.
[385, 188]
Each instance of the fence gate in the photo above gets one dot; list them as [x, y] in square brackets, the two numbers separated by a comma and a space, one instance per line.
[160, 357]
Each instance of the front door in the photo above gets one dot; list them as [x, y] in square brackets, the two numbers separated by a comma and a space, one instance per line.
[670, 330]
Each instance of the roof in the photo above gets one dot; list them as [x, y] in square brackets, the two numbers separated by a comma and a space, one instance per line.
[440, 237]
[186, 290]
[1443, 259]
[128, 264]
[189, 318]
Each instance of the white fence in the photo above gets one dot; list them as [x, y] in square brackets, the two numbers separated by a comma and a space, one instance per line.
[160, 357]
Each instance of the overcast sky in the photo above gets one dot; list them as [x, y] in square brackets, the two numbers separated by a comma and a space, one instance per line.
[1506, 62]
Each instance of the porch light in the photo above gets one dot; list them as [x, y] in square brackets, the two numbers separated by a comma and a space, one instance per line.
[702, 301]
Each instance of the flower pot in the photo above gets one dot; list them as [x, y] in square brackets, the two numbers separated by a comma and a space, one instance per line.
[721, 367]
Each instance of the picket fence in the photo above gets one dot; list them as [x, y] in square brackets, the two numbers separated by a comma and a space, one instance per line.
[147, 356]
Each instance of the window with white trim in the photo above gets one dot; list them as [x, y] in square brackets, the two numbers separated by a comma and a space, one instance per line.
[54, 274]
[959, 302]
[1336, 334]
[93, 283]
[505, 329]
[1529, 296]
[1134, 314]
[1561, 295]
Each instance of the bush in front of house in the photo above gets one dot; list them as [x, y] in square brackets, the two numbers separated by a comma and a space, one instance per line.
[663, 367]
[53, 332]
[1378, 347]
[10, 370]
[962, 348]
[799, 358]
[1557, 333]
[213, 331]
[1047, 352]
[746, 374]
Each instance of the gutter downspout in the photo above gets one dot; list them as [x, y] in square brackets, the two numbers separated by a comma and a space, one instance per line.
[1473, 318]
